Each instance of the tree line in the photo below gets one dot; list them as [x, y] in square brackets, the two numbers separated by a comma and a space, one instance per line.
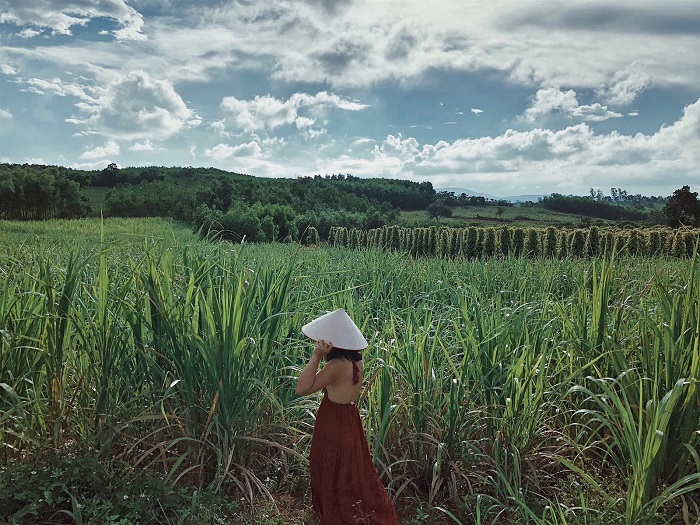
[39, 192]
[237, 206]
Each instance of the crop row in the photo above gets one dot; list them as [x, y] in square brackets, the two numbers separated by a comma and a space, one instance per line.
[478, 242]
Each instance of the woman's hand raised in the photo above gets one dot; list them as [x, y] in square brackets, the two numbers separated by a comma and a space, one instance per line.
[322, 348]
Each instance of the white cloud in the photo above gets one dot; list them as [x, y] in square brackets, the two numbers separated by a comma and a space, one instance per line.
[7, 69]
[268, 112]
[625, 85]
[5, 114]
[138, 107]
[89, 166]
[28, 33]
[304, 122]
[58, 87]
[548, 100]
[594, 112]
[566, 160]
[535, 43]
[219, 127]
[397, 147]
[224, 152]
[553, 101]
[110, 149]
[61, 17]
[146, 145]
[476, 111]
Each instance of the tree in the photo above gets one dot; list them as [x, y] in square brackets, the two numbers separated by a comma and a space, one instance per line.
[109, 176]
[683, 208]
[437, 210]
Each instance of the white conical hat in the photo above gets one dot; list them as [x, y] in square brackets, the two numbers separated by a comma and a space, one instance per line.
[338, 328]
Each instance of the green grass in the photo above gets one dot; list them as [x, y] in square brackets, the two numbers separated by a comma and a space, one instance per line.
[96, 198]
[526, 216]
[508, 390]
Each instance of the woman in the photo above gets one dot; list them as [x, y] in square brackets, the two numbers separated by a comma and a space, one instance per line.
[345, 486]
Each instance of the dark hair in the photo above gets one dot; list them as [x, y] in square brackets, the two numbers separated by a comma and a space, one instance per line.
[350, 355]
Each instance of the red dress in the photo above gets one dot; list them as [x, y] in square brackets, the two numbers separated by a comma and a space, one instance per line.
[345, 486]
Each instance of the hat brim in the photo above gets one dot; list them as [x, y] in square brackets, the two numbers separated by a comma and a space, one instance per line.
[338, 328]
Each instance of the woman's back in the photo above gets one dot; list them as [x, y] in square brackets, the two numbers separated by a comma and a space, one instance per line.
[346, 388]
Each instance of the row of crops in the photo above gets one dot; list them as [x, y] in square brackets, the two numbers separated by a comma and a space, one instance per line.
[477, 242]
[520, 390]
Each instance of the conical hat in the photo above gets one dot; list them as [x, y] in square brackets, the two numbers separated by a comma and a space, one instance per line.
[338, 328]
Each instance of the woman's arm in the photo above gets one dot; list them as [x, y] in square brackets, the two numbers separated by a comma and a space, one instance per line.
[309, 381]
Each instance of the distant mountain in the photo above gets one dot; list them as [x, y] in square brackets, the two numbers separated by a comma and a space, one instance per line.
[459, 191]
[512, 198]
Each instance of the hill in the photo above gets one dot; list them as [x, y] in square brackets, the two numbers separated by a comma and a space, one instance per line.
[239, 206]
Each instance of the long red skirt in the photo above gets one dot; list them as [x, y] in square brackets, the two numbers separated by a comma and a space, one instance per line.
[345, 486]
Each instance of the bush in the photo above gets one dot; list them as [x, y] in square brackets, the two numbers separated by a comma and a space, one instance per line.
[73, 488]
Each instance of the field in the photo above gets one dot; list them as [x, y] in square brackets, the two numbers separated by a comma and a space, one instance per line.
[148, 376]
[516, 215]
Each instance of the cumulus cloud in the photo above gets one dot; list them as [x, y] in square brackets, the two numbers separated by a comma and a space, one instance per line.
[559, 160]
[138, 107]
[219, 127]
[625, 85]
[549, 100]
[146, 145]
[268, 112]
[5, 114]
[58, 87]
[88, 166]
[476, 111]
[594, 112]
[682, 138]
[392, 41]
[110, 149]
[28, 33]
[553, 101]
[224, 152]
[397, 146]
[7, 69]
[61, 17]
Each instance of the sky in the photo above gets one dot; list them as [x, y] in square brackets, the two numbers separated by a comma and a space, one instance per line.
[504, 97]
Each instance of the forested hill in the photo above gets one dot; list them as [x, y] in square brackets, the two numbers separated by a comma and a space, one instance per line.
[201, 195]
[239, 206]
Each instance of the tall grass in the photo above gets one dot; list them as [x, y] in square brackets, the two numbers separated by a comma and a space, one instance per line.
[519, 390]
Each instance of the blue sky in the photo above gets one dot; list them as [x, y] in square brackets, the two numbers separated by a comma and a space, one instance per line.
[503, 97]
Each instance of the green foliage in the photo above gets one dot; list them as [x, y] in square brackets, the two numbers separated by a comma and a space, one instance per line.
[518, 242]
[593, 245]
[550, 242]
[489, 243]
[504, 241]
[578, 244]
[437, 210]
[590, 208]
[39, 192]
[469, 243]
[683, 208]
[532, 243]
[78, 486]
[530, 390]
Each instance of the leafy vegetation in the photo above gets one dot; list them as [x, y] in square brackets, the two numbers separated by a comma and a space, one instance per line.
[43, 192]
[683, 208]
[236, 206]
[480, 243]
[590, 208]
[513, 390]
